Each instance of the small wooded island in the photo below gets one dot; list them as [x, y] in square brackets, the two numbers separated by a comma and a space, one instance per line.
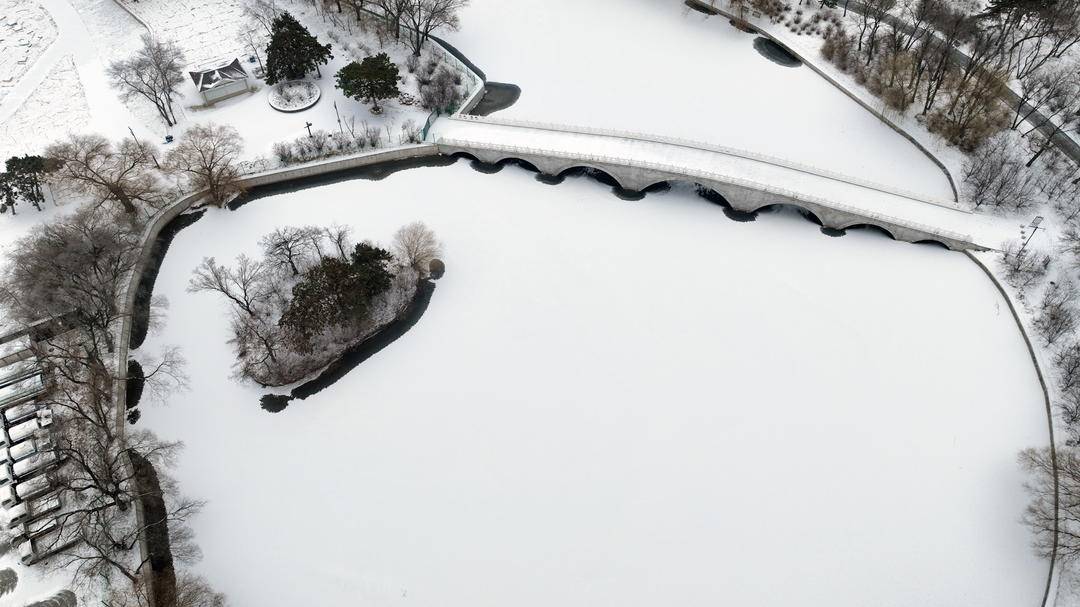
[314, 295]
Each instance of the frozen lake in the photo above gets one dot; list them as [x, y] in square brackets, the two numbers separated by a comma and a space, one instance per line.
[618, 403]
[656, 67]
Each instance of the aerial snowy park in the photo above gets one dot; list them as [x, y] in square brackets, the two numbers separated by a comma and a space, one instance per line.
[481, 302]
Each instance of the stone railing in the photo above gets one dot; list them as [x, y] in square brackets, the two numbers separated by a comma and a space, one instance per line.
[728, 151]
[716, 177]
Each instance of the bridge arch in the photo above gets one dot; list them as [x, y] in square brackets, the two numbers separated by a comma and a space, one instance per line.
[869, 227]
[497, 162]
[604, 175]
[802, 210]
[933, 243]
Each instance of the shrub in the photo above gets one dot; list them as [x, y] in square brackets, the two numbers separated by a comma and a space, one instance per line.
[283, 151]
[410, 132]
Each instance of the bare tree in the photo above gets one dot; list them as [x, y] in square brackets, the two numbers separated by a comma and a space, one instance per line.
[1067, 363]
[153, 73]
[1056, 316]
[994, 176]
[1023, 267]
[339, 235]
[417, 245]
[426, 16]
[1042, 88]
[262, 13]
[72, 265]
[290, 247]
[873, 15]
[90, 165]
[1053, 513]
[253, 292]
[191, 591]
[207, 155]
[393, 14]
[246, 286]
[103, 524]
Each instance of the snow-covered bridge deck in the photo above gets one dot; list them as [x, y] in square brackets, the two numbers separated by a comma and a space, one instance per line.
[746, 180]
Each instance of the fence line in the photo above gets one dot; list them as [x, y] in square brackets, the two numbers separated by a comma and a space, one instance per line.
[710, 176]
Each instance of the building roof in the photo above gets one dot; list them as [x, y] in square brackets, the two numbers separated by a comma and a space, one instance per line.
[217, 74]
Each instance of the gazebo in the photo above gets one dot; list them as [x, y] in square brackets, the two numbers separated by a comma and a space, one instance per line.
[220, 80]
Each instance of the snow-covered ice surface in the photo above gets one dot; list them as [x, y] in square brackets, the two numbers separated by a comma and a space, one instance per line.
[642, 65]
[687, 411]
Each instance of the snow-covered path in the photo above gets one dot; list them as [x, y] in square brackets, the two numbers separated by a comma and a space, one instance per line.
[844, 195]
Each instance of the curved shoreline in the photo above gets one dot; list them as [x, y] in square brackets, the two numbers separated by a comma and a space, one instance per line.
[702, 7]
[1049, 410]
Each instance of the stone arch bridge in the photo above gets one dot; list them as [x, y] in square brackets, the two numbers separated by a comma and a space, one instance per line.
[746, 181]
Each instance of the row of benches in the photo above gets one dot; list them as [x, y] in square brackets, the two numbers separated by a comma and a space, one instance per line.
[27, 459]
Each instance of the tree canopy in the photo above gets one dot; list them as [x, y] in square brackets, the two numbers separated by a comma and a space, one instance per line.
[293, 51]
[336, 292]
[374, 78]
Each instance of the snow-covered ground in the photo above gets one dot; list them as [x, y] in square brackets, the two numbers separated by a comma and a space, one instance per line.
[686, 410]
[643, 65]
[26, 30]
[37, 583]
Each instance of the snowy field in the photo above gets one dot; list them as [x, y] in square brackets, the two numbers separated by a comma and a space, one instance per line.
[588, 63]
[689, 411]
[26, 30]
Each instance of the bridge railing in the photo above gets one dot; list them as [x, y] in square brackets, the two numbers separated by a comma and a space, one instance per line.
[699, 175]
[708, 147]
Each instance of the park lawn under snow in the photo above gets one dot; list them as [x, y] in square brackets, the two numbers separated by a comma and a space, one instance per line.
[685, 411]
[656, 67]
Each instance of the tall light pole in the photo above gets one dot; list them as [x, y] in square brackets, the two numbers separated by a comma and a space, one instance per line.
[1035, 225]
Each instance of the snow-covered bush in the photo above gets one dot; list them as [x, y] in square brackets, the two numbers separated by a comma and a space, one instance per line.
[323, 144]
[410, 132]
[441, 94]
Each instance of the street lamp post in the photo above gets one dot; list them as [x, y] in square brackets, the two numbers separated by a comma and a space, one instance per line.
[1036, 224]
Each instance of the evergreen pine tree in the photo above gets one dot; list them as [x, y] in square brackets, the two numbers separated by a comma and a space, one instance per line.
[372, 79]
[293, 51]
[8, 197]
[25, 175]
